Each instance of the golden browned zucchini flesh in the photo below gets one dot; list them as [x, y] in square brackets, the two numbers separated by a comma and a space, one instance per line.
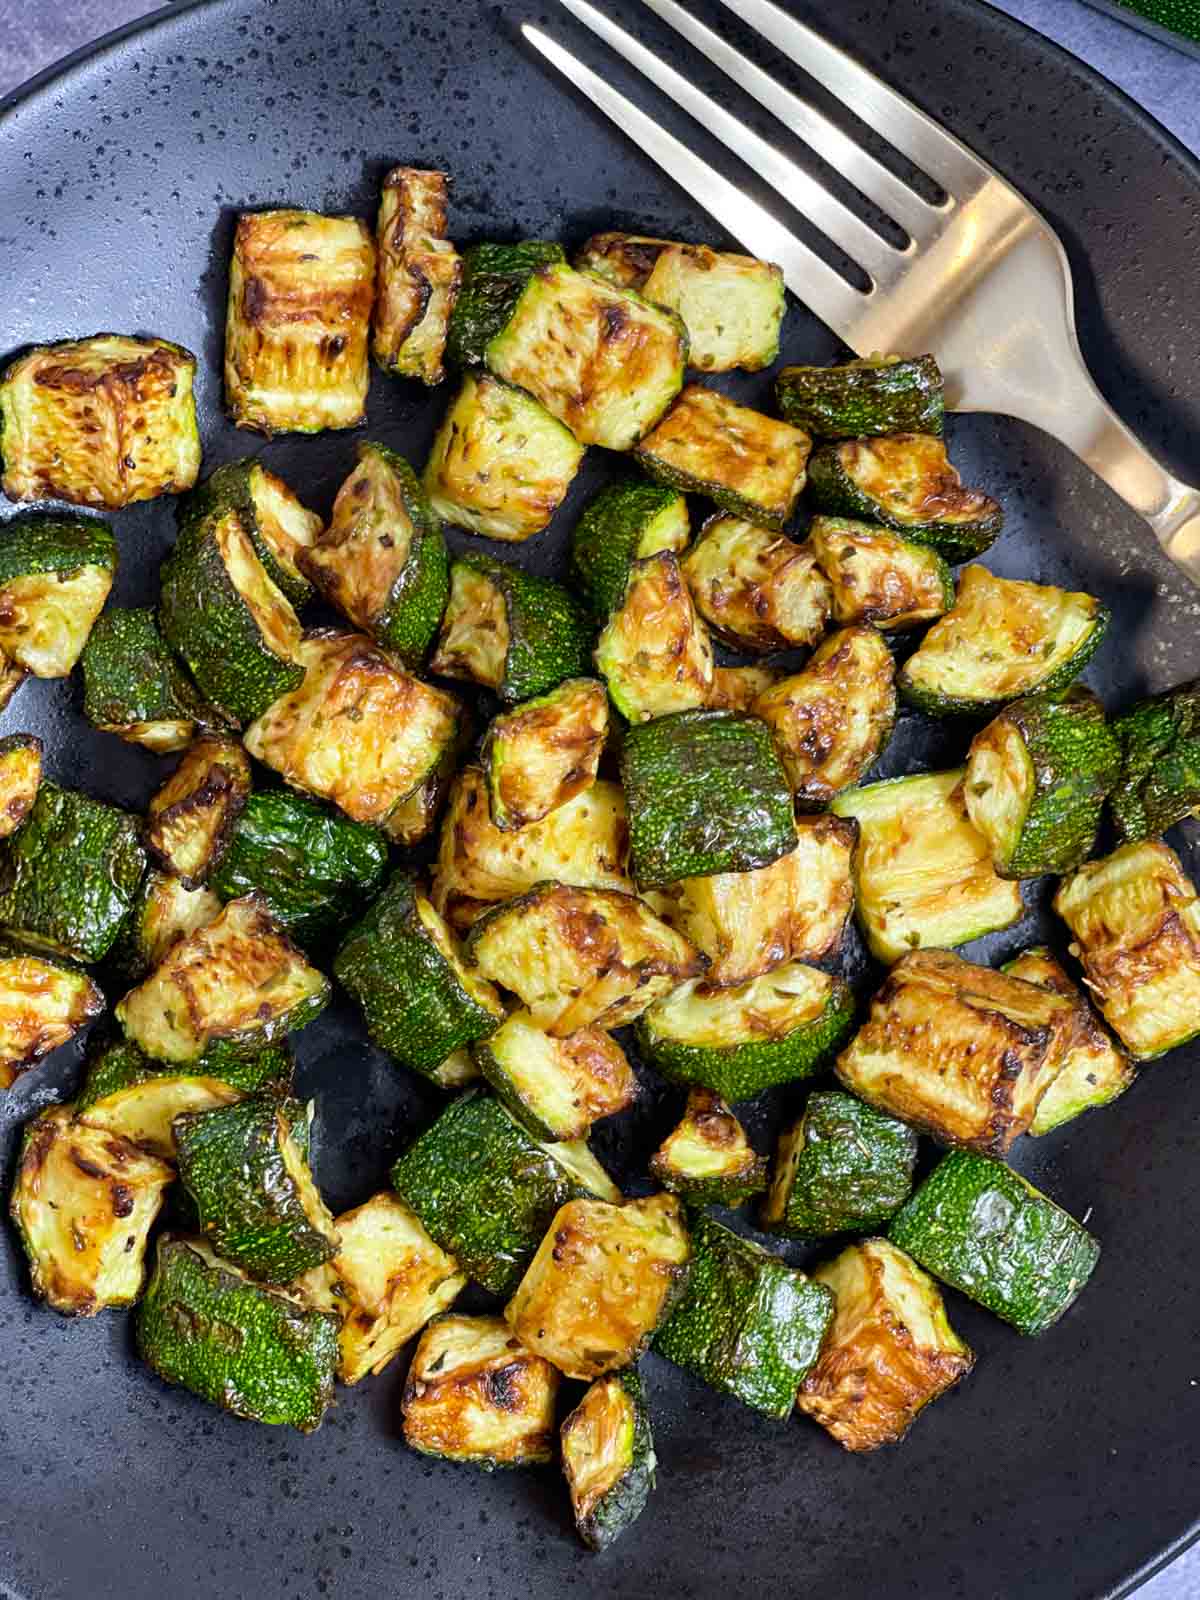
[556, 1088]
[737, 688]
[419, 274]
[758, 590]
[545, 752]
[654, 652]
[20, 779]
[191, 819]
[880, 577]
[706, 1157]
[43, 1003]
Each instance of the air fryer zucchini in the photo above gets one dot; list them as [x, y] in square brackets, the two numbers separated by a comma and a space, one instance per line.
[136, 687]
[494, 278]
[757, 590]
[43, 1002]
[707, 1158]
[843, 1168]
[164, 911]
[419, 275]
[545, 752]
[654, 652]
[624, 522]
[556, 1088]
[1159, 781]
[55, 575]
[737, 688]
[190, 820]
[857, 399]
[20, 778]
[277, 525]
[879, 577]
[608, 1457]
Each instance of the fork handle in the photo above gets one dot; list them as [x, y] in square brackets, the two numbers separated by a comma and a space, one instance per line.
[1171, 507]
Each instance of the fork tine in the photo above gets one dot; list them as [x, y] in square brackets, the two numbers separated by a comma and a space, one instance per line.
[834, 300]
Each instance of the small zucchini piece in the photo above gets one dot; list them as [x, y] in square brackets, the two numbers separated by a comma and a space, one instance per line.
[12, 676]
[55, 575]
[105, 421]
[706, 794]
[879, 577]
[905, 482]
[624, 522]
[751, 465]
[190, 820]
[1036, 781]
[277, 525]
[654, 652]
[923, 872]
[20, 778]
[706, 1158]
[474, 1394]
[842, 1168]
[43, 1003]
[961, 1052]
[556, 1088]
[418, 278]
[860, 399]
[255, 1352]
[1135, 918]
[832, 721]
[737, 688]
[737, 1042]
[301, 287]
[757, 590]
[164, 910]
[987, 1232]
[748, 1324]
[136, 687]
[889, 1352]
[608, 1457]
[545, 752]
[1159, 780]
[494, 277]
[382, 560]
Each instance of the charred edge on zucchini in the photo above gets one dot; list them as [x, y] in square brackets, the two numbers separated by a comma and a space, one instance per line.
[545, 752]
[879, 577]
[757, 590]
[190, 820]
[608, 1457]
[418, 277]
[707, 1158]
[164, 911]
[556, 1088]
[43, 1003]
[20, 779]
[654, 652]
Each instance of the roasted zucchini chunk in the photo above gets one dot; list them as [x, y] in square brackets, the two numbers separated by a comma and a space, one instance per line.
[164, 910]
[55, 575]
[959, 1051]
[104, 421]
[486, 1191]
[624, 522]
[748, 1324]
[751, 465]
[923, 872]
[706, 795]
[475, 1394]
[1135, 918]
[136, 687]
[707, 1158]
[515, 633]
[418, 277]
[1095, 1069]
[12, 676]
[861, 399]
[1036, 780]
[575, 957]
[83, 1203]
[301, 288]
[190, 820]
[70, 873]
[20, 779]
[382, 560]
[1159, 780]
[494, 277]
[879, 577]
[556, 1088]
[415, 818]
[1001, 639]
[987, 1232]
[603, 1279]
[236, 986]
[401, 963]
[889, 1352]
[584, 842]
[842, 1168]
[358, 730]
[500, 465]
[737, 1042]
[277, 525]
[654, 652]
[756, 589]
[905, 481]
[737, 688]
[608, 1457]
[43, 1003]
[255, 1352]
[545, 752]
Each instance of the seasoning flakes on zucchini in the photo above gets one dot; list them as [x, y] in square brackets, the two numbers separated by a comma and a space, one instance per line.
[842, 1168]
[277, 525]
[556, 1088]
[757, 590]
[43, 1003]
[136, 687]
[878, 577]
[624, 522]
[608, 1457]
[1159, 781]
[706, 1159]
[859, 399]
[418, 277]
[544, 752]
[55, 575]
[654, 652]
[20, 778]
[190, 819]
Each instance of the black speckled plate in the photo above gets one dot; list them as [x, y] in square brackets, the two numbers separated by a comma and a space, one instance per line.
[1066, 1467]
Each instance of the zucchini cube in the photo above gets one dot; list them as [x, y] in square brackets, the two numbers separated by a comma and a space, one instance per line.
[275, 522]
[707, 1159]
[842, 1168]
[624, 522]
[43, 1003]
[879, 577]
[858, 399]
[164, 910]
[890, 1350]
[1159, 781]
[105, 421]
[136, 687]
[654, 652]
[608, 1457]
[55, 575]
[20, 779]
[737, 688]
[419, 275]
[603, 1279]
[545, 752]
[757, 590]
[189, 820]
[556, 1088]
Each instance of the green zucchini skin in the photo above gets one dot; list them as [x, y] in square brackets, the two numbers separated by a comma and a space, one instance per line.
[624, 1502]
[120, 1065]
[1159, 780]
[40, 542]
[980, 1227]
[748, 1324]
[69, 874]
[255, 1353]
[550, 634]
[852, 1169]
[706, 794]
[229, 489]
[131, 675]
[863, 398]
[493, 280]
[618, 526]
[936, 704]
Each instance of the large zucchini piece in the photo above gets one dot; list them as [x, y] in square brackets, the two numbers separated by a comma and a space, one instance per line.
[419, 275]
[556, 1088]
[500, 465]
[301, 288]
[706, 794]
[624, 522]
[164, 911]
[706, 1158]
[751, 465]
[859, 399]
[759, 591]
[486, 1191]
[1159, 781]
[83, 1203]
[608, 1457]
[654, 652]
[255, 1352]
[879, 577]
[136, 687]
[905, 481]
[889, 1352]
[511, 631]
[55, 575]
[358, 730]
[923, 872]
[474, 1394]
[545, 752]
[20, 778]
[737, 1042]
[43, 1003]
[235, 986]
[1135, 918]
[69, 874]
[748, 1324]
[982, 1228]
[401, 964]
[277, 525]
[832, 721]
[190, 820]
[104, 421]
[382, 560]
[494, 278]
[842, 1168]
[1036, 781]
